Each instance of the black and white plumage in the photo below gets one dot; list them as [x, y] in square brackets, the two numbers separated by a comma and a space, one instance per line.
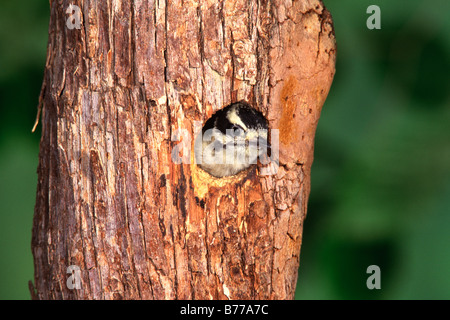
[232, 140]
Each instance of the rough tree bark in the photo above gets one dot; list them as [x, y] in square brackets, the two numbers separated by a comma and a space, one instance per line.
[110, 199]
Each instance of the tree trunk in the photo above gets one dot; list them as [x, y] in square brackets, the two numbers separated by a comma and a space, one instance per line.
[112, 201]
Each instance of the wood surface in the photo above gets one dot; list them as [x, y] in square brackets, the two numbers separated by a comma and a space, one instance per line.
[121, 94]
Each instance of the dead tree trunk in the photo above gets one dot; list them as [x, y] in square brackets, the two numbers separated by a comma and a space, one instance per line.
[112, 202]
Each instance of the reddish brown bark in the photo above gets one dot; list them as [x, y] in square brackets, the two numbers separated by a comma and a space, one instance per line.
[111, 200]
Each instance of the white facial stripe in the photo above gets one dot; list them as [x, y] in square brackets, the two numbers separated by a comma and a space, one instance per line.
[234, 118]
[254, 134]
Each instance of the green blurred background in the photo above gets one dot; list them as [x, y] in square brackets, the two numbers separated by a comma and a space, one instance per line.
[380, 191]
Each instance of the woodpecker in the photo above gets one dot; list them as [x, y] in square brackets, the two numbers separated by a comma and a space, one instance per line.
[232, 140]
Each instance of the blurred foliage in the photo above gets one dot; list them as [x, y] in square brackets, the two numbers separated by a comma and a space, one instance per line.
[23, 43]
[381, 177]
